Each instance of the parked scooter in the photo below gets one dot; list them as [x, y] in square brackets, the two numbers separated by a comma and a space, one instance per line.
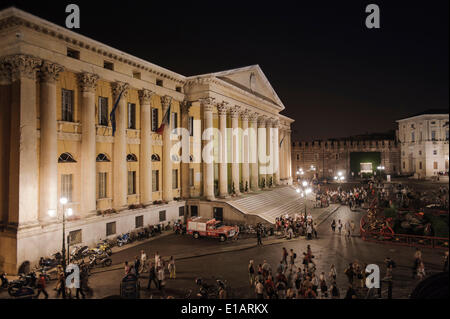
[102, 260]
[48, 263]
[79, 252]
[16, 286]
[123, 239]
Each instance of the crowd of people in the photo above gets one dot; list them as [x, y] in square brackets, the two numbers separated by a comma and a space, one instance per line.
[297, 225]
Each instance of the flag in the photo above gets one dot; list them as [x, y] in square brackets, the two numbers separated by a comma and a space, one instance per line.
[282, 140]
[165, 120]
[112, 115]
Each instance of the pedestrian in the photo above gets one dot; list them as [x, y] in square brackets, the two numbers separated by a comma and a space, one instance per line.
[157, 260]
[349, 273]
[41, 286]
[339, 226]
[161, 277]
[351, 293]
[347, 230]
[445, 261]
[352, 227]
[323, 285]
[152, 276]
[309, 231]
[421, 270]
[266, 269]
[417, 260]
[259, 290]
[79, 289]
[315, 230]
[258, 237]
[172, 269]
[143, 262]
[61, 284]
[137, 265]
[334, 291]
[269, 287]
[292, 257]
[251, 272]
[332, 274]
[285, 254]
[126, 268]
[333, 225]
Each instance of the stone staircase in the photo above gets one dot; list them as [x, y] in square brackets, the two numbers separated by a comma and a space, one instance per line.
[270, 204]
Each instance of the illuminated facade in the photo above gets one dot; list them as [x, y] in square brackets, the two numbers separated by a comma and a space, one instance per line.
[57, 90]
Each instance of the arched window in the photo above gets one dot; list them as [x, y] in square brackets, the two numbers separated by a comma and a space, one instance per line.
[131, 158]
[66, 158]
[191, 158]
[102, 158]
[156, 158]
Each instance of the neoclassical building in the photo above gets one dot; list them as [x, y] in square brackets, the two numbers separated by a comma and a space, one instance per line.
[57, 92]
[424, 141]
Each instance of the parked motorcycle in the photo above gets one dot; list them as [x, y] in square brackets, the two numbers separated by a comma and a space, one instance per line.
[105, 246]
[49, 263]
[28, 280]
[102, 260]
[79, 252]
[123, 239]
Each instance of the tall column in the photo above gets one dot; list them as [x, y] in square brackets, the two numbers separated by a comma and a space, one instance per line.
[276, 153]
[262, 157]
[88, 84]
[167, 159]
[289, 156]
[48, 159]
[120, 173]
[234, 113]
[23, 160]
[207, 153]
[253, 148]
[5, 129]
[223, 158]
[245, 150]
[185, 162]
[145, 160]
[269, 152]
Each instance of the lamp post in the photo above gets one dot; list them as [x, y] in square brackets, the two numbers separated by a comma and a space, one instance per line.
[63, 201]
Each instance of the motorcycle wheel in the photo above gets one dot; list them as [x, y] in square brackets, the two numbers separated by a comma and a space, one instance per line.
[120, 244]
[13, 289]
[107, 262]
[108, 251]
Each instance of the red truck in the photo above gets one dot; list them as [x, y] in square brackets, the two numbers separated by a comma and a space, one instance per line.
[203, 227]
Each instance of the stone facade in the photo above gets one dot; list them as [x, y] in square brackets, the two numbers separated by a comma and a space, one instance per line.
[424, 144]
[327, 158]
[57, 90]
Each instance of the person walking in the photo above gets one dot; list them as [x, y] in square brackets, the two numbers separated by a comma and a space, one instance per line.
[339, 226]
[350, 273]
[144, 267]
[421, 270]
[258, 237]
[161, 277]
[309, 231]
[445, 261]
[284, 256]
[137, 265]
[157, 260]
[417, 260]
[352, 227]
[334, 291]
[333, 273]
[251, 272]
[152, 276]
[126, 268]
[292, 257]
[41, 287]
[61, 284]
[259, 290]
[172, 269]
[333, 225]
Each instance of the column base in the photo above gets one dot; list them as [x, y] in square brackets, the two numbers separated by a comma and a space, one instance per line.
[210, 198]
[224, 196]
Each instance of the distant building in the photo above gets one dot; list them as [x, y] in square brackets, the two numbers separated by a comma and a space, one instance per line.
[350, 156]
[424, 143]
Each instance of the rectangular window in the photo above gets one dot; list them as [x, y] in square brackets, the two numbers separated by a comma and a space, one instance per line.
[433, 135]
[131, 182]
[191, 126]
[137, 75]
[174, 178]
[298, 157]
[67, 105]
[174, 120]
[75, 237]
[67, 186]
[404, 165]
[102, 111]
[159, 82]
[155, 180]
[74, 54]
[108, 65]
[191, 177]
[434, 152]
[154, 119]
[178, 89]
[139, 221]
[102, 182]
[194, 211]
[420, 165]
[446, 135]
[110, 228]
[413, 137]
[132, 116]
[435, 165]
[162, 216]
[181, 211]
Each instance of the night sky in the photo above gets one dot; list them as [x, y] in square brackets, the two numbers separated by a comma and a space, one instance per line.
[336, 77]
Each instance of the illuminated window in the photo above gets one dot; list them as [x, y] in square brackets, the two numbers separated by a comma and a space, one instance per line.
[132, 158]
[66, 158]
[102, 158]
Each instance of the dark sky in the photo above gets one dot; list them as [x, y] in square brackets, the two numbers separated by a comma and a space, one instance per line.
[335, 77]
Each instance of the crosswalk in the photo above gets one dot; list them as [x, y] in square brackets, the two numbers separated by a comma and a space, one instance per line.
[271, 204]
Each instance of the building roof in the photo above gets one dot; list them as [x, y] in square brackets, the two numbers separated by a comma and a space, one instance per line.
[428, 112]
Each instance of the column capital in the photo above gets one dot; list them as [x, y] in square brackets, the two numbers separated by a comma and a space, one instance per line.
[185, 106]
[50, 71]
[222, 108]
[235, 111]
[5, 73]
[207, 104]
[254, 117]
[145, 96]
[245, 114]
[118, 87]
[262, 121]
[87, 81]
[165, 101]
[23, 65]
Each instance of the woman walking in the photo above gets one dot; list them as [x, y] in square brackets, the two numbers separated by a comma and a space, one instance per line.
[172, 269]
[251, 272]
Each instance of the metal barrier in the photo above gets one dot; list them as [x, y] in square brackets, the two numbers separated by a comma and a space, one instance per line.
[402, 239]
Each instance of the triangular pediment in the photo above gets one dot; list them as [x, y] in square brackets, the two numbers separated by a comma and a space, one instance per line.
[252, 80]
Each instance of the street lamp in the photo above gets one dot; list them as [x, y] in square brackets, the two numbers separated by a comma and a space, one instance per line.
[63, 201]
[305, 183]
